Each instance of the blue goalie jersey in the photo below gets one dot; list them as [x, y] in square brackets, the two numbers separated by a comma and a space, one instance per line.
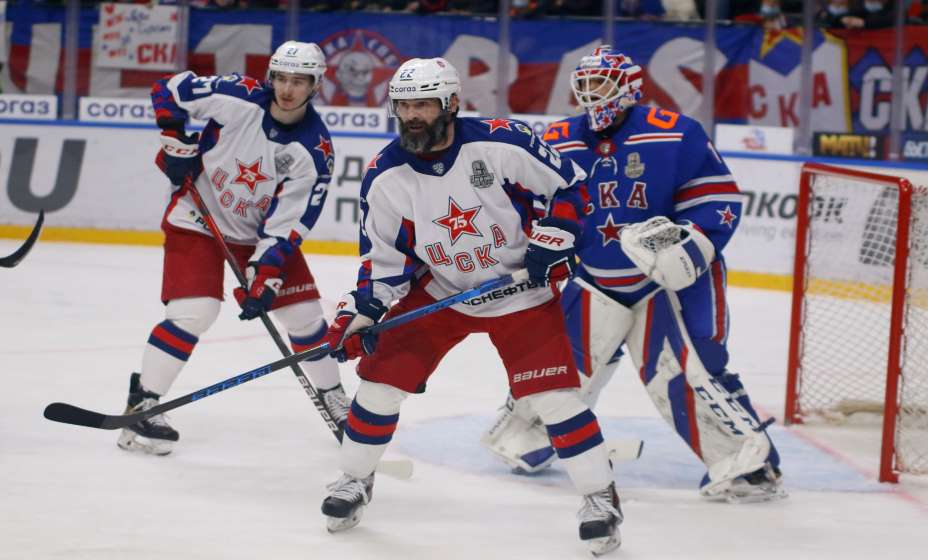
[656, 163]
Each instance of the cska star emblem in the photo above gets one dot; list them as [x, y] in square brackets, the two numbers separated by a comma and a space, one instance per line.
[728, 217]
[459, 222]
[250, 84]
[250, 175]
[496, 124]
[609, 230]
[325, 147]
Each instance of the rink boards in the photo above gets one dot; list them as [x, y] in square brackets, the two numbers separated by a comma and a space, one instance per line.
[98, 183]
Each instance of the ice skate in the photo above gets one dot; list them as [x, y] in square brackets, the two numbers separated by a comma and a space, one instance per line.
[153, 435]
[600, 517]
[338, 404]
[762, 485]
[346, 500]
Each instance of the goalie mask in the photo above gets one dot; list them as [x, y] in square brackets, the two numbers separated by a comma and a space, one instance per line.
[424, 79]
[606, 83]
[294, 57]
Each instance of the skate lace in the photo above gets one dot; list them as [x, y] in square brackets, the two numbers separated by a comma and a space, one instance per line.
[158, 419]
[598, 506]
[348, 488]
[337, 402]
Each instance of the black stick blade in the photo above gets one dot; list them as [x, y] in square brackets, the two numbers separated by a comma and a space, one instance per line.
[70, 414]
[18, 255]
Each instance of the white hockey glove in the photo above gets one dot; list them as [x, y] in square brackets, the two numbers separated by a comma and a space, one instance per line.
[673, 255]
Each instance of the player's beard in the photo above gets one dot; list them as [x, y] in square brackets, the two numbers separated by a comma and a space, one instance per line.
[424, 141]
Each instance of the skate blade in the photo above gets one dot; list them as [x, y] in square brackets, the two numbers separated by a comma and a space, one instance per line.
[757, 497]
[336, 524]
[131, 441]
[604, 545]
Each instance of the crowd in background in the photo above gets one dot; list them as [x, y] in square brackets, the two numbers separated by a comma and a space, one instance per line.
[771, 14]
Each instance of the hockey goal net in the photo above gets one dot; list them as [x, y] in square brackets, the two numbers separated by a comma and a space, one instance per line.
[859, 328]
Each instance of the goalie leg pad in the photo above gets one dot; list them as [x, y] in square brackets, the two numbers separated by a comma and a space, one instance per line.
[519, 438]
[726, 436]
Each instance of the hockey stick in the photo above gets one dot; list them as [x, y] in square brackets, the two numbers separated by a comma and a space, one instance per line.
[70, 414]
[18, 255]
[268, 325]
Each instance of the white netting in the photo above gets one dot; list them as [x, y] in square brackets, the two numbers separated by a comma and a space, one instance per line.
[846, 309]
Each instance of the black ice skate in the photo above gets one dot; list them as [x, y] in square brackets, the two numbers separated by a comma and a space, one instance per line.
[600, 517]
[345, 504]
[338, 404]
[153, 435]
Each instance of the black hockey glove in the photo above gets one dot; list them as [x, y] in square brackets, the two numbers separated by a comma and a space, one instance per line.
[551, 255]
[179, 156]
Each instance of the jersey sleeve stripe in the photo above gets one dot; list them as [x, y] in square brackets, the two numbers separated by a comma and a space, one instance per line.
[730, 198]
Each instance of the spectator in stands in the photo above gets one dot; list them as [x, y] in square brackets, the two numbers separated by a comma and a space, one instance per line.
[769, 15]
[876, 14]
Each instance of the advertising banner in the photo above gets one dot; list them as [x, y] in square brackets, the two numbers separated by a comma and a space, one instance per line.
[100, 177]
[28, 107]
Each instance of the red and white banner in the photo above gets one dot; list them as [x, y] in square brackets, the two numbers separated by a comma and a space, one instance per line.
[137, 36]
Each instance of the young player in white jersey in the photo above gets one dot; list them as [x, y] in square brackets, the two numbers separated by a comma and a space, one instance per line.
[262, 166]
[451, 203]
[652, 276]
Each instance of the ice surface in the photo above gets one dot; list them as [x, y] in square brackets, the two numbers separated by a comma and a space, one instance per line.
[249, 473]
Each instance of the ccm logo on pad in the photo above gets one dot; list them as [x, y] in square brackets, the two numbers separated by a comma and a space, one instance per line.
[537, 373]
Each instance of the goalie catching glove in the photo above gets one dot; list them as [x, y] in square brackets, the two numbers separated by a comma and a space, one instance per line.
[347, 335]
[673, 255]
[551, 255]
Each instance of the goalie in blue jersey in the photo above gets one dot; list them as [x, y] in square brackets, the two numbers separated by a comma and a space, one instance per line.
[652, 276]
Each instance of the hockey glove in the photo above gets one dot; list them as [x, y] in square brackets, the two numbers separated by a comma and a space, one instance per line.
[179, 156]
[551, 256]
[673, 255]
[347, 334]
[264, 281]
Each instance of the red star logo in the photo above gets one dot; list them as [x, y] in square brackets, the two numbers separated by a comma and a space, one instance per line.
[250, 175]
[496, 124]
[325, 147]
[373, 163]
[250, 84]
[459, 222]
[610, 230]
[728, 217]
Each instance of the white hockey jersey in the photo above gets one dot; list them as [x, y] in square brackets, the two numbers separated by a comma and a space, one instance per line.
[464, 217]
[262, 181]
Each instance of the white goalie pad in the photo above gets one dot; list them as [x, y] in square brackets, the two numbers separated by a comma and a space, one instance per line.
[731, 441]
[519, 438]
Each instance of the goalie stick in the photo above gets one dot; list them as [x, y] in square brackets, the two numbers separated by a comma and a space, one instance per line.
[311, 391]
[12, 260]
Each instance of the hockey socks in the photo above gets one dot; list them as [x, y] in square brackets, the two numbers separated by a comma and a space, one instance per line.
[167, 351]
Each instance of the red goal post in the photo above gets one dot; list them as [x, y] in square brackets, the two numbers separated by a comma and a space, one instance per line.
[859, 325]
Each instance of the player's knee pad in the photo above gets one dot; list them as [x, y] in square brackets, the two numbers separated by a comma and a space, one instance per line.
[380, 398]
[194, 315]
[556, 406]
[301, 319]
[305, 325]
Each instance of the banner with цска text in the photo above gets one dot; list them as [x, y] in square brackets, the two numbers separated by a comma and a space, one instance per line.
[757, 72]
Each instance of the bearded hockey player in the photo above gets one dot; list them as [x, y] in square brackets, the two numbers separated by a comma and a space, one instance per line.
[652, 276]
[262, 166]
[450, 204]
